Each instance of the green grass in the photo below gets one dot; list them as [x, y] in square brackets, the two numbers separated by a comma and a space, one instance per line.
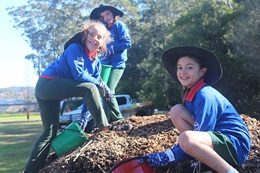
[17, 136]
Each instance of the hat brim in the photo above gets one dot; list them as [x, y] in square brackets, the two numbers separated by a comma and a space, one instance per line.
[95, 14]
[209, 59]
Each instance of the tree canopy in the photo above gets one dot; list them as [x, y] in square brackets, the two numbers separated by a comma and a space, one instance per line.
[229, 28]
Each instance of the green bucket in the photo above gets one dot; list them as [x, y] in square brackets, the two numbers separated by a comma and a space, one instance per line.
[71, 137]
[105, 72]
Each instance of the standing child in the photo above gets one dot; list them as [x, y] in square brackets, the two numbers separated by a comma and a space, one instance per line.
[74, 74]
[211, 130]
[116, 54]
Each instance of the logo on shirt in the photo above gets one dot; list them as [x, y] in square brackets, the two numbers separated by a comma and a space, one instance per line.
[80, 59]
[196, 126]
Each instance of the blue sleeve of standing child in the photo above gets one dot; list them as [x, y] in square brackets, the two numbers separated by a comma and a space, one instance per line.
[121, 37]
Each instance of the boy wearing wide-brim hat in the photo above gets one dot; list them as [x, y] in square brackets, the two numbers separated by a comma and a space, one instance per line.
[211, 130]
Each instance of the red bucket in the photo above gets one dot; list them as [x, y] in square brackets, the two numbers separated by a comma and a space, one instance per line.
[130, 165]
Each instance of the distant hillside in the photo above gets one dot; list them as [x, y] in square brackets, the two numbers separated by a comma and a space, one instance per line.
[20, 93]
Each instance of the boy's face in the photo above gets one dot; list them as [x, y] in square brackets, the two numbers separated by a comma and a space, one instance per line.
[94, 38]
[107, 16]
[189, 71]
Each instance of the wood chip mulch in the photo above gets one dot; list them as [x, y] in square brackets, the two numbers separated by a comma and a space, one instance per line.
[150, 134]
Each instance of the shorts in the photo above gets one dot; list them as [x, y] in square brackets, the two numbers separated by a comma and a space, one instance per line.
[223, 146]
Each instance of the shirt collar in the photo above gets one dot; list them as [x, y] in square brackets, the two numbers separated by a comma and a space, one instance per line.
[195, 89]
[109, 25]
[94, 54]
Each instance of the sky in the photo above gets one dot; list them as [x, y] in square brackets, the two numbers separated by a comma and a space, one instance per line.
[15, 70]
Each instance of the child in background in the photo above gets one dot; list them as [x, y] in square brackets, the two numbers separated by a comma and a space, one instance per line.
[116, 54]
[27, 115]
[211, 130]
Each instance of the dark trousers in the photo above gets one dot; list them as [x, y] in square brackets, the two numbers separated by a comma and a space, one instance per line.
[49, 93]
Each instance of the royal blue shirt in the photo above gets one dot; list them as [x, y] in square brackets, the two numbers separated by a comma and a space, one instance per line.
[74, 63]
[213, 112]
[121, 41]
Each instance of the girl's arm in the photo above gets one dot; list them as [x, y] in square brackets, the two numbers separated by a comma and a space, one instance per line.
[80, 73]
[122, 40]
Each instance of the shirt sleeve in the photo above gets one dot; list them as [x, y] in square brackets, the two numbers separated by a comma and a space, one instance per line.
[80, 69]
[93, 76]
[124, 39]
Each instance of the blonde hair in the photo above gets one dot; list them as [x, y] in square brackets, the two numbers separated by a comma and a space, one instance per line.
[106, 34]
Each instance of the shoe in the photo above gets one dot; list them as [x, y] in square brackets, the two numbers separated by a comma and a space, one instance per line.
[105, 129]
[125, 127]
[196, 167]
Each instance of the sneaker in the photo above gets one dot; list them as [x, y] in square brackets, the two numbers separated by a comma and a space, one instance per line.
[125, 127]
[196, 167]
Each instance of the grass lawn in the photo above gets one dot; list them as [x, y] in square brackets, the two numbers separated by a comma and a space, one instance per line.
[17, 136]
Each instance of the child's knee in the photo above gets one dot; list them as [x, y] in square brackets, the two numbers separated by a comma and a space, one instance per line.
[92, 86]
[90, 89]
[186, 141]
[175, 111]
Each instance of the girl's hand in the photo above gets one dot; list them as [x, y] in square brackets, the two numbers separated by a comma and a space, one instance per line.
[105, 91]
[158, 159]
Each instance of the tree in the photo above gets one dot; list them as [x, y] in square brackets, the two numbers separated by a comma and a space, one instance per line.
[47, 24]
[229, 28]
[245, 36]
[205, 25]
[150, 33]
[244, 40]
[208, 24]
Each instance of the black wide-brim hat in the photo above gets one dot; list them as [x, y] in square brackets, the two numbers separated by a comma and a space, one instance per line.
[95, 14]
[208, 58]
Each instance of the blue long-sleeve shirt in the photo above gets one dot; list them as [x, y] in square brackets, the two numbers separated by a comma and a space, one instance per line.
[75, 64]
[121, 42]
[213, 112]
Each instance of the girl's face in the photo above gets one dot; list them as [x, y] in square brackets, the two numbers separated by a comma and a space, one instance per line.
[95, 38]
[189, 71]
[108, 17]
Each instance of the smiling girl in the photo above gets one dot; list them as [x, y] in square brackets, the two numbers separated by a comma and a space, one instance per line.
[75, 74]
[211, 130]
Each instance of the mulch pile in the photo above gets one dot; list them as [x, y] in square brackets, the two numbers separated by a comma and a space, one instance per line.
[150, 134]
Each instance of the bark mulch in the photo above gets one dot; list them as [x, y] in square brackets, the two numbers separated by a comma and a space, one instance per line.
[150, 134]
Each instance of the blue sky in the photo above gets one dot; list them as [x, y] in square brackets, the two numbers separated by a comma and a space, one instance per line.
[15, 70]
